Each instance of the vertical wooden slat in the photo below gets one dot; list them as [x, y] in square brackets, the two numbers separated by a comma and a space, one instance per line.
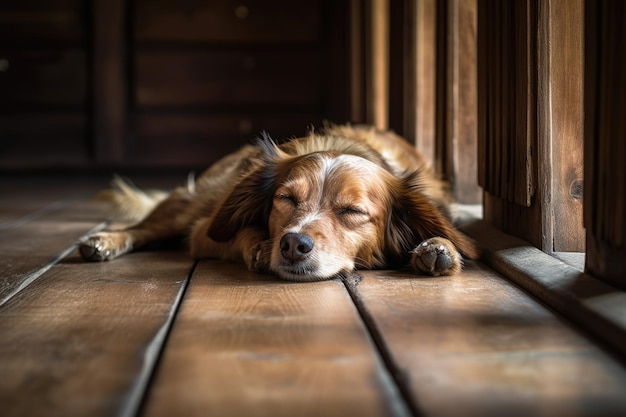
[461, 100]
[425, 77]
[507, 44]
[442, 147]
[109, 81]
[560, 121]
[605, 147]
[378, 63]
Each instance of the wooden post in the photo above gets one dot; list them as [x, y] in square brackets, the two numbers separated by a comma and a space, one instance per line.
[605, 144]
[460, 113]
[530, 110]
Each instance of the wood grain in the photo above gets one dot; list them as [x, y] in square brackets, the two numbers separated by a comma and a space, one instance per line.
[605, 150]
[560, 122]
[482, 342]
[28, 248]
[461, 98]
[223, 21]
[245, 344]
[224, 78]
[79, 341]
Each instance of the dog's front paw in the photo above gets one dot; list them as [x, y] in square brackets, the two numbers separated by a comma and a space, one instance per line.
[104, 246]
[258, 259]
[436, 256]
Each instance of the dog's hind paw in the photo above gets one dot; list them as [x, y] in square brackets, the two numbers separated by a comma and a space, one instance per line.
[436, 256]
[104, 246]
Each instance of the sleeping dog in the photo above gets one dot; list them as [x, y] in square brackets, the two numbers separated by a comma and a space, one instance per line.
[310, 209]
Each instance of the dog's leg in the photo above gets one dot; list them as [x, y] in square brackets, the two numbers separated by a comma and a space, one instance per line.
[170, 219]
[436, 256]
[249, 244]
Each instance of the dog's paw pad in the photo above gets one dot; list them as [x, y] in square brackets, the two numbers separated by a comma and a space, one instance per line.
[99, 247]
[436, 256]
[259, 257]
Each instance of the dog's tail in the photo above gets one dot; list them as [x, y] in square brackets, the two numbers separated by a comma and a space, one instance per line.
[130, 203]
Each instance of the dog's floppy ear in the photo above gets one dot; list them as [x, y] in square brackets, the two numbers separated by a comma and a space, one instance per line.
[416, 217]
[250, 200]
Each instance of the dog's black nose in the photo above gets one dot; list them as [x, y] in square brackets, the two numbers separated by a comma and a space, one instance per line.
[295, 246]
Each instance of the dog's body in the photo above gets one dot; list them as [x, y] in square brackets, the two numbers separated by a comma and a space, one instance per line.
[310, 209]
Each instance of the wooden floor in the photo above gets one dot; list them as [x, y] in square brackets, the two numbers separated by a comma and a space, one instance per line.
[157, 334]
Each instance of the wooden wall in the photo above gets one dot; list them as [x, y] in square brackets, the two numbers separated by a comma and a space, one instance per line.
[157, 83]
[530, 113]
[605, 140]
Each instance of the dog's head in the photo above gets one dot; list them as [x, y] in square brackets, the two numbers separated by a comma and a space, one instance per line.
[328, 212]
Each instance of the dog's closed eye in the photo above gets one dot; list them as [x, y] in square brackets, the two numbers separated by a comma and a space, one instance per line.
[352, 211]
[287, 199]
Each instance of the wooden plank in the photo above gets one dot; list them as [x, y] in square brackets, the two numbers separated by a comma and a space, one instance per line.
[52, 76]
[251, 345]
[224, 21]
[34, 246]
[591, 303]
[560, 120]
[378, 63]
[202, 139]
[40, 21]
[462, 101]
[59, 138]
[475, 345]
[227, 78]
[84, 339]
[605, 149]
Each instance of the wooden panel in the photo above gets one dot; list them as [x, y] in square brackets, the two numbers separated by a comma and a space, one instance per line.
[50, 76]
[43, 139]
[412, 73]
[507, 99]
[461, 129]
[560, 121]
[515, 200]
[605, 148]
[229, 77]
[110, 89]
[377, 68]
[227, 21]
[425, 78]
[251, 345]
[42, 20]
[198, 140]
[482, 342]
[84, 339]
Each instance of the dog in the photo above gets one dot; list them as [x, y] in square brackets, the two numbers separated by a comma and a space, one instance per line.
[308, 209]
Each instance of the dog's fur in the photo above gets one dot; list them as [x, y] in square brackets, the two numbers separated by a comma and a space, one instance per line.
[310, 209]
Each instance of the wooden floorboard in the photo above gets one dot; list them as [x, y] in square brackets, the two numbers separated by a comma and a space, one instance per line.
[250, 345]
[481, 341]
[81, 340]
[148, 335]
[30, 245]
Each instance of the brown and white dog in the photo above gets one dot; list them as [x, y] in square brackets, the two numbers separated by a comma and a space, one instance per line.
[310, 209]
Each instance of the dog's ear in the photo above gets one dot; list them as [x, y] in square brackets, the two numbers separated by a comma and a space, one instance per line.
[415, 217]
[250, 200]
